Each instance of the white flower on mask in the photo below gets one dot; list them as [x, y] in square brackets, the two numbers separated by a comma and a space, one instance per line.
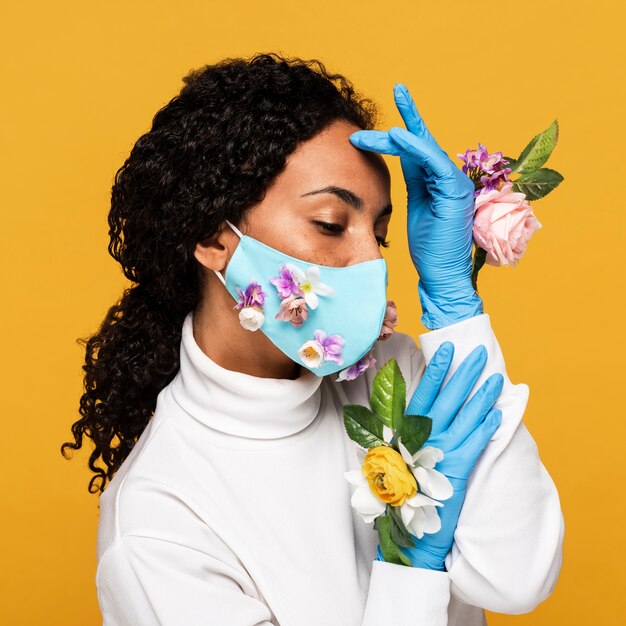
[251, 318]
[312, 353]
[309, 283]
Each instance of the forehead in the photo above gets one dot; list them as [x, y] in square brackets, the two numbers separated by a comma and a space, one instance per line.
[330, 158]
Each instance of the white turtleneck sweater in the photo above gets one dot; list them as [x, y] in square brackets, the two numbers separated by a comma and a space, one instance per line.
[233, 510]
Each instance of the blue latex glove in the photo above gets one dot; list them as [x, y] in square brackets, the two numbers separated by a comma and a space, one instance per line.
[440, 215]
[461, 433]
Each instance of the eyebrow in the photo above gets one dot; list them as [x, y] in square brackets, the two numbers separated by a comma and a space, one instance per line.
[347, 196]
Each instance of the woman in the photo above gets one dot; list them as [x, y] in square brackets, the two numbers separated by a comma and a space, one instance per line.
[221, 427]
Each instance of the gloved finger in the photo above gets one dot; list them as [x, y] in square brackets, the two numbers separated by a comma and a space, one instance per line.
[431, 381]
[411, 116]
[458, 464]
[474, 412]
[427, 154]
[376, 141]
[379, 141]
[468, 453]
[456, 390]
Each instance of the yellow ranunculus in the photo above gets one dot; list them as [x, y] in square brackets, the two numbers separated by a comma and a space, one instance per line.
[388, 475]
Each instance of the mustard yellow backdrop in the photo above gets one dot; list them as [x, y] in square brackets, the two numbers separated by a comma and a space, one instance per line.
[80, 82]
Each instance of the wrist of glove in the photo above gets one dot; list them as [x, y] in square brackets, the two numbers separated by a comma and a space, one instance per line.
[445, 306]
[422, 559]
[431, 549]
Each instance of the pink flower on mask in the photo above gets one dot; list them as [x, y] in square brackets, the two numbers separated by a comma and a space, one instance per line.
[390, 321]
[293, 310]
[286, 283]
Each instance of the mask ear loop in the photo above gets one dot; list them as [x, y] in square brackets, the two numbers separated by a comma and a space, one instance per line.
[217, 272]
[235, 228]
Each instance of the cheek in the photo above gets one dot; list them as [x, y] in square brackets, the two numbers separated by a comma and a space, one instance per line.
[294, 234]
[317, 248]
[302, 239]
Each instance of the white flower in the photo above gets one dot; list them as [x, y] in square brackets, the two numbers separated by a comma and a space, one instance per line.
[309, 282]
[431, 482]
[312, 353]
[366, 503]
[418, 513]
[251, 317]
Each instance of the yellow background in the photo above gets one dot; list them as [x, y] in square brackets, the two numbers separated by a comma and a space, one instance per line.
[80, 83]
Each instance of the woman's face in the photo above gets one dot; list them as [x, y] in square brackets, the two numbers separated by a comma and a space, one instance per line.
[330, 205]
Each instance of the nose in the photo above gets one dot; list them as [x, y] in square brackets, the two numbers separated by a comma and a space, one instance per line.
[364, 248]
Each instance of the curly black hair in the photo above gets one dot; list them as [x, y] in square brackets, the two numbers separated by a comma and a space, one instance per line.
[210, 155]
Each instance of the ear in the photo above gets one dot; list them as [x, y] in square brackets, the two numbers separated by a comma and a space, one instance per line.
[213, 252]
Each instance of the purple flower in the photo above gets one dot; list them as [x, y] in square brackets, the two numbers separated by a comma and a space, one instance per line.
[286, 284]
[352, 372]
[470, 159]
[486, 170]
[252, 296]
[331, 345]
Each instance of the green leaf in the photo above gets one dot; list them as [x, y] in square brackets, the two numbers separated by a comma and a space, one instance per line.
[391, 552]
[536, 153]
[388, 397]
[398, 531]
[538, 183]
[416, 430]
[363, 426]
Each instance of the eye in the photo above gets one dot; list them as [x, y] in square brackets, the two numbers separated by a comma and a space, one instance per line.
[329, 226]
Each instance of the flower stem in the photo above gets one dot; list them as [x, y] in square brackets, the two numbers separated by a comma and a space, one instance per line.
[480, 255]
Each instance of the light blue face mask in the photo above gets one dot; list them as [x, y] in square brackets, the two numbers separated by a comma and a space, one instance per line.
[328, 317]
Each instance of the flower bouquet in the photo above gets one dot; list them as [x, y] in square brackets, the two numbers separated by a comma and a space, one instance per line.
[397, 486]
[503, 219]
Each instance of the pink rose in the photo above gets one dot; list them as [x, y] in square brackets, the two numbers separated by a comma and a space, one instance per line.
[390, 321]
[503, 224]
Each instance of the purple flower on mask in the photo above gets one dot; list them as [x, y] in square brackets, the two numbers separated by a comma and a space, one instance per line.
[352, 372]
[331, 344]
[252, 296]
[286, 283]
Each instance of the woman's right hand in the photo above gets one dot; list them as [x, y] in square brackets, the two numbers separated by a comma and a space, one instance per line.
[461, 433]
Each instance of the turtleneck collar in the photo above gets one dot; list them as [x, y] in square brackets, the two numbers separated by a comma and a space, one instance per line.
[241, 404]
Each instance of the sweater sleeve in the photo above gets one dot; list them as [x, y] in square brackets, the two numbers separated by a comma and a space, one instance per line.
[406, 596]
[507, 550]
[150, 581]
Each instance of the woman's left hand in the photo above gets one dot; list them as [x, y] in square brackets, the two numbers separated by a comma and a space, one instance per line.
[440, 215]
